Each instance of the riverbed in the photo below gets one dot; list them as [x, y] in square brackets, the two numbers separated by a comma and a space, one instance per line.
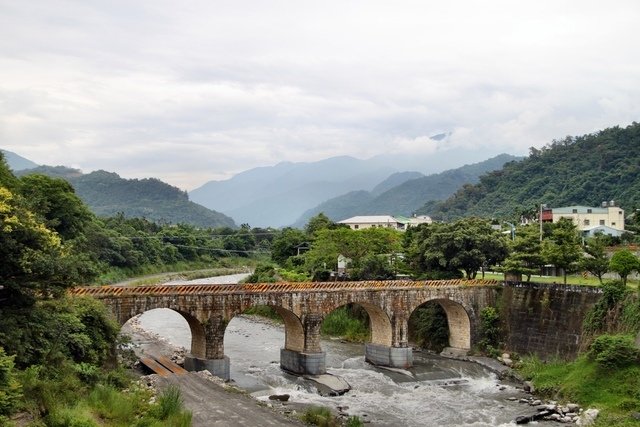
[436, 392]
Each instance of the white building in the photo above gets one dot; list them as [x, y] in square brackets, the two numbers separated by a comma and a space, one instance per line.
[372, 221]
[384, 221]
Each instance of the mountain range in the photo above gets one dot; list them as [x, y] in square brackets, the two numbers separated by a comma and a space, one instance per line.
[404, 193]
[280, 195]
[581, 170]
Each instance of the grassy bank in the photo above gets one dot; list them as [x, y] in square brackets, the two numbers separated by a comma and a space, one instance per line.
[82, 395]
[615, 392]
[571, 279]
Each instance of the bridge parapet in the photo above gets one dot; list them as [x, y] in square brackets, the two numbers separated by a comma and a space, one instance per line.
[279, 287]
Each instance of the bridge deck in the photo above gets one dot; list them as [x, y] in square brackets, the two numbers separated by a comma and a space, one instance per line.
[280, 287]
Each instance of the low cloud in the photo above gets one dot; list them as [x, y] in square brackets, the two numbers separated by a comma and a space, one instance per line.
[204, 90]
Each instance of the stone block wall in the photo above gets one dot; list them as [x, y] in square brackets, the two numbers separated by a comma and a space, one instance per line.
[545, 319]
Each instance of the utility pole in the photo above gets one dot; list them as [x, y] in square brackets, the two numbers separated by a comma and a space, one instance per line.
[542, 205]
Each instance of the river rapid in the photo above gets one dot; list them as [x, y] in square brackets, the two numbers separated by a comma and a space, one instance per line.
[436, 392]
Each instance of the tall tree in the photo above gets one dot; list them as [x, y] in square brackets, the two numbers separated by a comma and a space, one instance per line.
[595, 260]
[34, 260]
[624, 262]
[525, 255]
[55, 202]
[563, 248]
[317, 223]
[353, 244]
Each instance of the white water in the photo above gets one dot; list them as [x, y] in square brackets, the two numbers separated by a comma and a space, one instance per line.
[437, 391]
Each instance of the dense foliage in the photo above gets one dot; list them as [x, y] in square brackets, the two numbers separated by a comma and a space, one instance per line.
[444, 249]
[57, 353]
[576, 170]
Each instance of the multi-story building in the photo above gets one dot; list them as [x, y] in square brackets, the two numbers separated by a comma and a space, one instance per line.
[607, 218]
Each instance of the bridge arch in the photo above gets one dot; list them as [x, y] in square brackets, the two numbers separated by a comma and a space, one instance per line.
[458, 320]
[379, 321]
[293, 329]
[198, 336]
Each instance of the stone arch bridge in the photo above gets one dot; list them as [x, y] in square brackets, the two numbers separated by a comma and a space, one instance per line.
[303, 306]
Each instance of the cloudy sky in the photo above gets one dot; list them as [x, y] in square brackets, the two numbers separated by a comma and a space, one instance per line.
[191, 91]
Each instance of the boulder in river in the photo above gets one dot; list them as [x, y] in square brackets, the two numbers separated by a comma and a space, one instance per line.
[280, 397]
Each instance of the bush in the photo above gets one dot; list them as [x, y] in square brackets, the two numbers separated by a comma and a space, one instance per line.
[88, 373]
[614, 351]
[347, 322]
[354, 421]
[169, 403]
[70, 417]
[490, 329]
[320, 416]
[613, 292]
[264, 273]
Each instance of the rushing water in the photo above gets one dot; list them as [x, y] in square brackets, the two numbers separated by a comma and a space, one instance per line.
[435, 392]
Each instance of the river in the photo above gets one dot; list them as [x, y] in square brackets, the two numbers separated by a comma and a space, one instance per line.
[436, 392]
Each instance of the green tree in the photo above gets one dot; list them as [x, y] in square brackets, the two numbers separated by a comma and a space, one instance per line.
[595, 261]
[55, 202]
[10, 390]
[467, 245]
[286, 243]
[317, 223]
[35, 263]
[563, 248]
[353, 244]
[242, 242]
[525, 252]
[624, 262]
[374, 267]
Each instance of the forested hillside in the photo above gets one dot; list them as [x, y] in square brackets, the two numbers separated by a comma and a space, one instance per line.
[107, 194]
[583, 170]
[406, 197]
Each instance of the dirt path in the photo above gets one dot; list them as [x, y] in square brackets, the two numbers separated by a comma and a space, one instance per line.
[212, 405]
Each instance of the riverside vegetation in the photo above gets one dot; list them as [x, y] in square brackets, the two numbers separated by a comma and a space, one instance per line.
[57, 358]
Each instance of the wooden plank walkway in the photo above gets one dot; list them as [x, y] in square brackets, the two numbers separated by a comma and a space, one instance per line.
[155, 366]
[170, 365]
